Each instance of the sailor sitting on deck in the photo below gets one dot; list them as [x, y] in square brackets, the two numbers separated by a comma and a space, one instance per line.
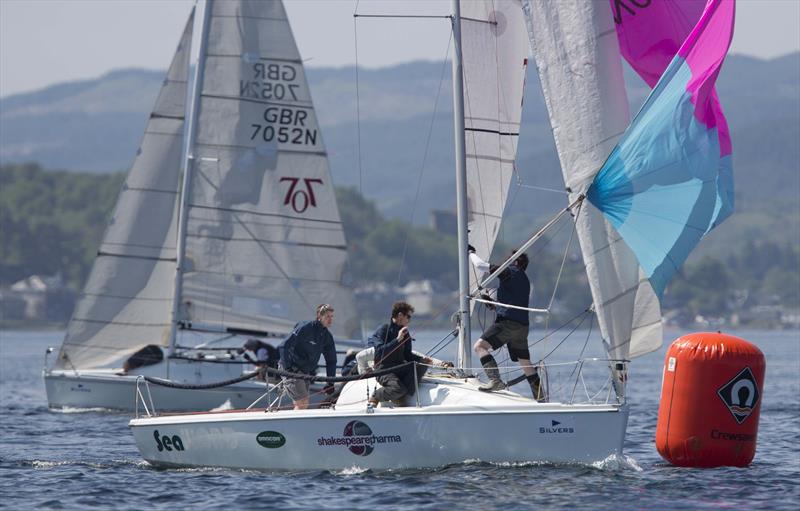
[266, 356]
[392, 343]
[510, 326]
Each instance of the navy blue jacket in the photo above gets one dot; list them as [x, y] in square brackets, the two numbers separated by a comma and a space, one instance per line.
[514, 289]
[390, 352]
[301, 350]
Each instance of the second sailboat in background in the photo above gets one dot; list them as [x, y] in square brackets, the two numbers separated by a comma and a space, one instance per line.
[232, 234]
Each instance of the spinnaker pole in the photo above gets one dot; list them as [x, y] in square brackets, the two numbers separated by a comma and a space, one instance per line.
[464, 359]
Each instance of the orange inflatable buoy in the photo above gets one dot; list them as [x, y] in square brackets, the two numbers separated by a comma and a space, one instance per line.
[710, 401]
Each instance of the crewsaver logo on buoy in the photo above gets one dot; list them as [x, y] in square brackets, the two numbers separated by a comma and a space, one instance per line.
[359, 439]
[740, 395]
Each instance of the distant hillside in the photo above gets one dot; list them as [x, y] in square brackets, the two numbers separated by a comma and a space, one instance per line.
[95, 126]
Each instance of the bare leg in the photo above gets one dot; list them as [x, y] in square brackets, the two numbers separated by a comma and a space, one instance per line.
[301, 404]
[482, 348]
[526, 366]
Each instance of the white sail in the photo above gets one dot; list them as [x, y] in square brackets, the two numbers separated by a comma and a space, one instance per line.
[577, 55]
[125, 304]
[495, 51]
[264, 240]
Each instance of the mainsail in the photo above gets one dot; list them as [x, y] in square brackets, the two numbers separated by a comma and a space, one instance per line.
[576, 52]
[495, 50]
[125, 304]
[264, 241]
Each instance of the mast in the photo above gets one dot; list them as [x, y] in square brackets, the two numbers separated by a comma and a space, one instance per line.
[464, 359]
[188, 164]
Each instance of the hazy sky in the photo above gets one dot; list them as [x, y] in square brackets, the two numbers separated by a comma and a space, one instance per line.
[43, 42]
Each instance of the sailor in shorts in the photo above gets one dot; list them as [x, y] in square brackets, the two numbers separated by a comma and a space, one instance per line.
[300, 354]
[510, 327]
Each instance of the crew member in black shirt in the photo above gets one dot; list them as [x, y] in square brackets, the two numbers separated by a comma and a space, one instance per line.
[510, 327]
[392, 343]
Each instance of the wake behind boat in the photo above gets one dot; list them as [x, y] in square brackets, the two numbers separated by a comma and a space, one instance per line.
[612, 200]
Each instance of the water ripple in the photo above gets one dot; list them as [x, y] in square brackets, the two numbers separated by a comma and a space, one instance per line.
[76, 459]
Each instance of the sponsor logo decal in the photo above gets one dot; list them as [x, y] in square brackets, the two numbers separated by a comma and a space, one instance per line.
[556, 428]
[270, 439]
[736, 437]
[740, 395]
[167, 442]
[80, 388]
[359, 439]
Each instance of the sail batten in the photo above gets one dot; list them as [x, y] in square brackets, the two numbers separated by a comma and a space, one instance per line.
[124, 304]
[264, 240]
[494, 62]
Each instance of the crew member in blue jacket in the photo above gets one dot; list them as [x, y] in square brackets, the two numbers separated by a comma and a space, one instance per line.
[510, 327]
[300, 353]
[392, 343]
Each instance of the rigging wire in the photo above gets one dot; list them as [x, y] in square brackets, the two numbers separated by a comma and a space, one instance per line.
[563, 262]
[583, 349]
[424, 161]
[547, 335]
[520, 184]
[358, 103]
[432, 352]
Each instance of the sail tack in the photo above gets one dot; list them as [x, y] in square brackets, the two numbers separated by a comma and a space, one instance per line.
[126, 303]
[669, 180]
[264, 240]
[495, 51]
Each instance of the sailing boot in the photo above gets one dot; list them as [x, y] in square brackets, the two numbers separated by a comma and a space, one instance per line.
[495, 383]
[536, 387]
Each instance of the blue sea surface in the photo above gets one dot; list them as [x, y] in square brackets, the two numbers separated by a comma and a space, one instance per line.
[81, 460]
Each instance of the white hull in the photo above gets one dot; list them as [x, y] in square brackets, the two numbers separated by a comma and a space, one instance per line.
[498, 428]
[65, 390]
[107, 389]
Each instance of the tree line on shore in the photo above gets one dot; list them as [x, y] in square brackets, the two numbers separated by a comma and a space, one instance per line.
[52, 222]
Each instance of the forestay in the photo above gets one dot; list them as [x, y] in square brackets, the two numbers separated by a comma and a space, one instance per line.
[125, 304]
[576, 52]
[264, 240]
[495, 51]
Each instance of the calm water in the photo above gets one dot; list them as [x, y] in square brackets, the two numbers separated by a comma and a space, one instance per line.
[89, 460]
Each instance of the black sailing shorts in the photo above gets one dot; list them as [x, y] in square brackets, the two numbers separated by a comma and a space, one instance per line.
[510, 333]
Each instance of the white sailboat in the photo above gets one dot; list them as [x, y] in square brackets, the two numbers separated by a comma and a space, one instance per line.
[227, 228]
[451, 418]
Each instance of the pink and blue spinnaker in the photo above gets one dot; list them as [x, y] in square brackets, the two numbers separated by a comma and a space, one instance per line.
[669, 179]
